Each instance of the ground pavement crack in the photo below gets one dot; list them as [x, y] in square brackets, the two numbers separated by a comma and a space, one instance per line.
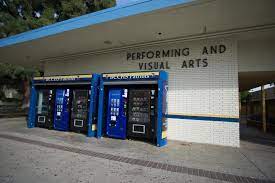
[254, 164]
[144, 163]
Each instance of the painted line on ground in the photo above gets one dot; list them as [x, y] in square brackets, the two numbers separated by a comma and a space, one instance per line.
[144, 163]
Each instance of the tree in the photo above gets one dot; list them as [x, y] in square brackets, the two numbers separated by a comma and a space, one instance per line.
[18, 16]
[244, 96]
[11, 73]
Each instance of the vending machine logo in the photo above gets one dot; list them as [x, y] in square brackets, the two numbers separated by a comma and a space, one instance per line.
[131, 76]
[63, 78]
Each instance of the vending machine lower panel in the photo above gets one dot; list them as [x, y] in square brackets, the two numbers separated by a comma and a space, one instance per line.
[62, 110]
[116, 116]
[79, 110]
[44, 108]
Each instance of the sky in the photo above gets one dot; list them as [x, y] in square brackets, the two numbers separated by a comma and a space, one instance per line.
[122, 2]
[265, 87]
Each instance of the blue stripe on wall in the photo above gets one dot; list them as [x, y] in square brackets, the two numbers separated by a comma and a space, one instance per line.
[203, 118]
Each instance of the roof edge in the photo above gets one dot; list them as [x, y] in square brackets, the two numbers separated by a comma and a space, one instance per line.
[110, 14]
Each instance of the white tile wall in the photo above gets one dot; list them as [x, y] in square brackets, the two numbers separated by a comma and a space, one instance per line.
[195, 91]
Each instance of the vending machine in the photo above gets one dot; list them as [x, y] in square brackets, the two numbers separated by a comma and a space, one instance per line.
[141, 114]
[44, 108]
[62, 109]
[116, 113]
[133, 105]
[80, 110]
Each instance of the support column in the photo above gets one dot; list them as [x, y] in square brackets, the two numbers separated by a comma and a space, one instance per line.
[240, 106]
[263, 108]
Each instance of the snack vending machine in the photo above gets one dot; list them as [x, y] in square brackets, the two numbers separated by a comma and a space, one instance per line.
[141, 116]
[116, 113]
[44, 108]
[62, 110]
[80, 110]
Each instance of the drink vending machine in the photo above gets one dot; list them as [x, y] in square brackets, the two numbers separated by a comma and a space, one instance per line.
[45, 108]
[62, 109]
[116, 117]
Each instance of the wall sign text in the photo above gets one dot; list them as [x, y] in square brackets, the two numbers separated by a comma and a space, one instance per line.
[173, 53]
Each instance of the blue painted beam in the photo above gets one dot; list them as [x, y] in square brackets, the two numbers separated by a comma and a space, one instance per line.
[204, 118]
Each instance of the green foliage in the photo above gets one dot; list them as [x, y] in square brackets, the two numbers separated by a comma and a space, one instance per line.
[18, 16]
[12, 72]
[244, 96]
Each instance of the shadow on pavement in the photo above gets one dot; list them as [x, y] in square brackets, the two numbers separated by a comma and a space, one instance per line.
[254, 135]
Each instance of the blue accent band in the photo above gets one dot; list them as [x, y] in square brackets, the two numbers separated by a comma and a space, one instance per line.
[203, 118]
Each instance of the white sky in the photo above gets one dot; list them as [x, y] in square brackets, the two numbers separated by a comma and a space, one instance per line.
[259, 88]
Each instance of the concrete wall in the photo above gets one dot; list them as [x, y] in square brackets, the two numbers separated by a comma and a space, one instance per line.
[210, 90]
[256, 55]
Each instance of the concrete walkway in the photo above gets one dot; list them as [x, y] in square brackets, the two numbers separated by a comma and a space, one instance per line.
[51, 156]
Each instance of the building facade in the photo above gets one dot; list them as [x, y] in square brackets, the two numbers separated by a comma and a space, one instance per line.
[203, 84]
[210, 49]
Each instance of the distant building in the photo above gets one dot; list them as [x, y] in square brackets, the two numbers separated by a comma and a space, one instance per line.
[254, 108]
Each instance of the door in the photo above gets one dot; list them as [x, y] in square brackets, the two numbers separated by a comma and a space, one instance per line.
[79, 110]
[44, 108]
[116, 114]
[62, 110]
[141, 114]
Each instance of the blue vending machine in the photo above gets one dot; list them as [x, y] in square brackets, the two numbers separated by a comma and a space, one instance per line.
[116, 113]
[62, 108]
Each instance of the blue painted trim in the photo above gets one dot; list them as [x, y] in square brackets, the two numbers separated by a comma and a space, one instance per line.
[204, 118]
[100, 109]
[93, 102]
[163, 78]
[32, 108]
[117, 12]
[160, 115]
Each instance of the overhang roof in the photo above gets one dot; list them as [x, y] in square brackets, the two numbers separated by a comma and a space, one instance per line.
[144, 22]
[114, 13]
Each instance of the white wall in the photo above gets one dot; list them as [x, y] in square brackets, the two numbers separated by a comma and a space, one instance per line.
[207, 91]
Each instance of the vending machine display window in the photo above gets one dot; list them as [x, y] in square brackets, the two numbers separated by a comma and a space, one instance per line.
[79, 110]
[44, 108]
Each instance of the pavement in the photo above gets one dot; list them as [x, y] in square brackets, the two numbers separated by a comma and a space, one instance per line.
[41, 155]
